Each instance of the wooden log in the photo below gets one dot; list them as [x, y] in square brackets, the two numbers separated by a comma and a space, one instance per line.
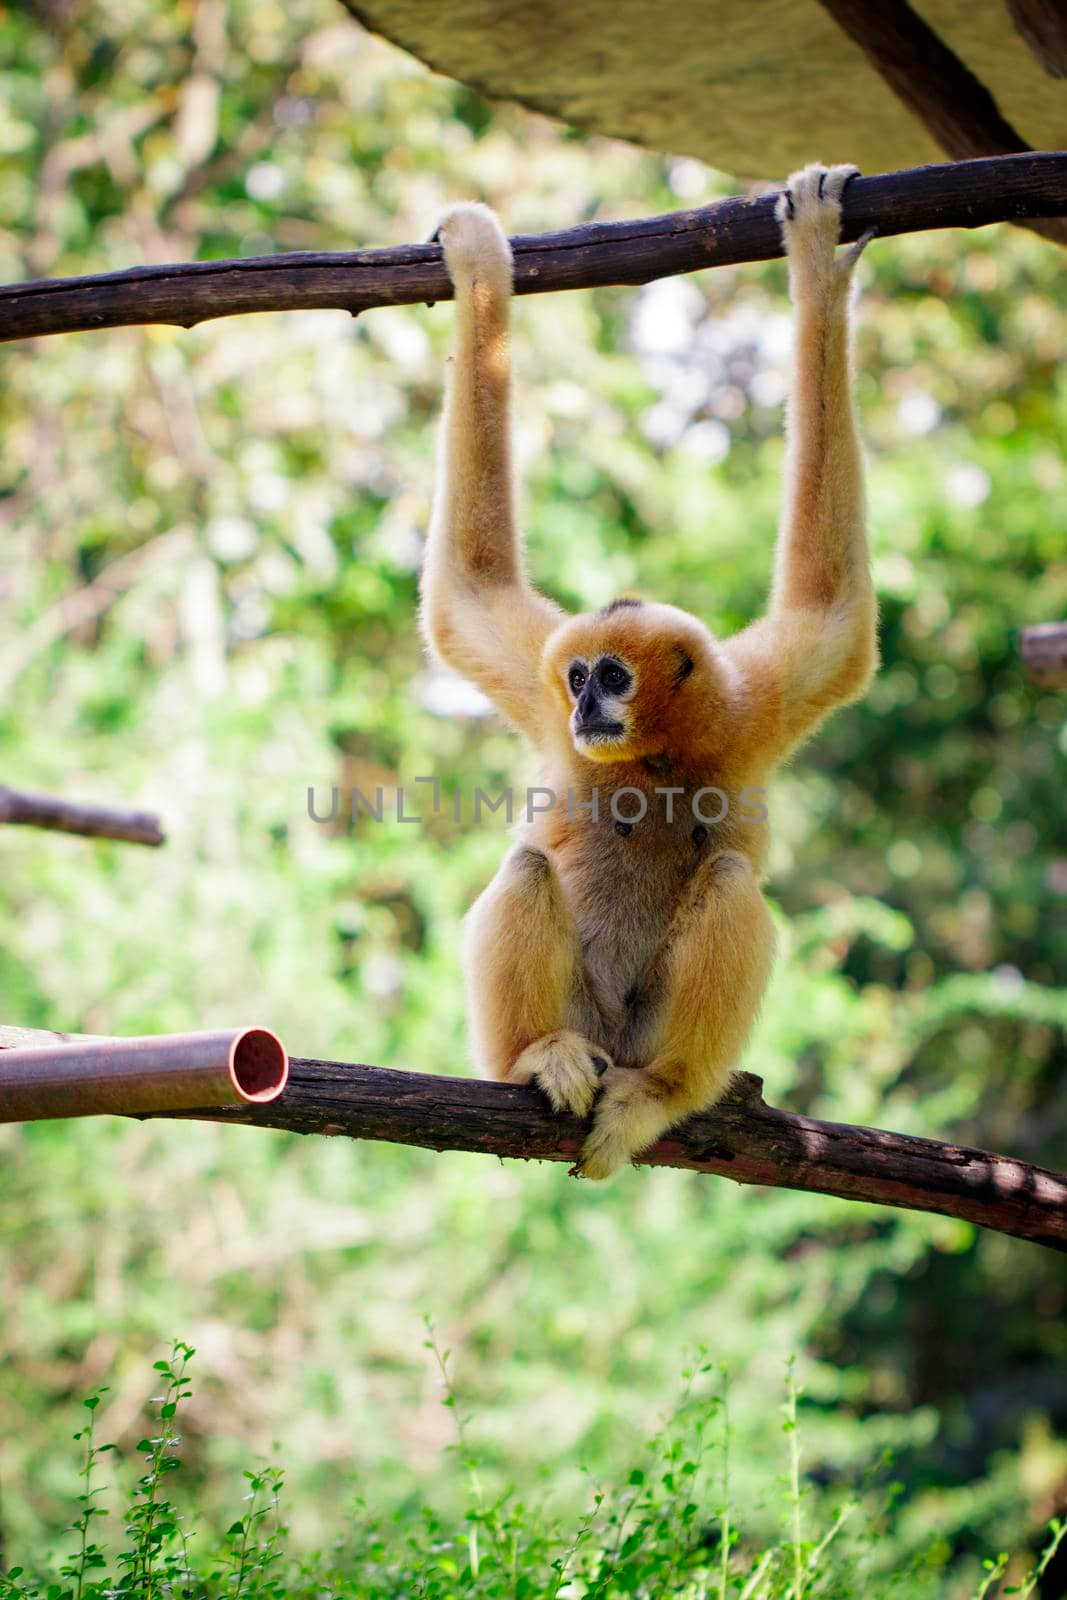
[936, 86]
[74, 816]
[1043, 25]
[743, 1138]
[956, 195]
[1044, 653]
[928, 77]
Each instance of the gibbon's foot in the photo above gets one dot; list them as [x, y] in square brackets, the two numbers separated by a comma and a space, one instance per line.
[567, 1067]
[629, 1116]
[475, 246]
[809, 209]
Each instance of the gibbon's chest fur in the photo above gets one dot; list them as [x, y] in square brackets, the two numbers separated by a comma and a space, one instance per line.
[624, 883]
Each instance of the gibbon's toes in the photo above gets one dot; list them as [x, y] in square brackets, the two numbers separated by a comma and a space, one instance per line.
[610, 1144]
[603, 1153]
[475, 245]
[567, 1067]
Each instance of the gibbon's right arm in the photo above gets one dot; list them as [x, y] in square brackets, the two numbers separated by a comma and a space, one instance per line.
[479, 613]
[816, 648]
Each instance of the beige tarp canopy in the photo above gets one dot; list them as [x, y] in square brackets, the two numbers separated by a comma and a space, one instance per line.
[751, 86]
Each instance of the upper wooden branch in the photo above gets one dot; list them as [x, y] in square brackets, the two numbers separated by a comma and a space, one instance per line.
[966, 194]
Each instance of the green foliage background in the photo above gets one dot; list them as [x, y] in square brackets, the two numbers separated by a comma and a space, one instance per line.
[210, 543]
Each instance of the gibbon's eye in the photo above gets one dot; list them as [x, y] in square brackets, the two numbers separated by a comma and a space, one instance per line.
[614, 677]
[576, 678]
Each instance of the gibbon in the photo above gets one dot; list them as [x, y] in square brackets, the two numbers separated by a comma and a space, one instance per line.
[619, 964]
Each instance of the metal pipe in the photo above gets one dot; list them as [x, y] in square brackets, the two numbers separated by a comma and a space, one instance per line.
[170, 1072]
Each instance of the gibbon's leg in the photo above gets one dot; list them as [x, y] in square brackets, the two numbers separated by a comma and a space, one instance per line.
[523, 962]
[713, 968]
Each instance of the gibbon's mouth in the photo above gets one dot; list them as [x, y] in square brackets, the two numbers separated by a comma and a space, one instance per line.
[598, 730]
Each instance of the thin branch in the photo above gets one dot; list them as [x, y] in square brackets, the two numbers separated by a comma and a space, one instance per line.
[933, 83]
[71, 816]
[958, 195]
[743, 1138]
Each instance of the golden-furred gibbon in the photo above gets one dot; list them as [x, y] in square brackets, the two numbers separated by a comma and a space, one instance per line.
[619, 956]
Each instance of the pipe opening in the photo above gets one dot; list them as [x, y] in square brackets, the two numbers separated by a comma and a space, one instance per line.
[259, 1065]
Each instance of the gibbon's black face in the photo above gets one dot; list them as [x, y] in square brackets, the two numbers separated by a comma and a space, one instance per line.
[599, 689]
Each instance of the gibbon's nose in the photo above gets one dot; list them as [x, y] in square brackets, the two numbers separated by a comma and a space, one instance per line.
[588, 705]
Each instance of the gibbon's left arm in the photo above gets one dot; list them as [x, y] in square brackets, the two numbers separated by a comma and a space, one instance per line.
[479, 612]
[817, 647]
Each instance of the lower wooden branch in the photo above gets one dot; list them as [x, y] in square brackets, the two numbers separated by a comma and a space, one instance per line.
[743, 1138]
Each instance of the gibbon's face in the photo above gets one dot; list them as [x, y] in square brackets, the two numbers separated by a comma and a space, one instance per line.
[629, 678]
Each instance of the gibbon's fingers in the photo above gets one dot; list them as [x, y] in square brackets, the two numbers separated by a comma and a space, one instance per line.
[476, 248]
[566, 1067]
[810, 213]
[811, 185]
[850, 256]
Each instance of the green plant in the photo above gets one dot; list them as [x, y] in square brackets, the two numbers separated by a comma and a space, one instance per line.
[156, 1558]
[89, 1557]
[662, 1532]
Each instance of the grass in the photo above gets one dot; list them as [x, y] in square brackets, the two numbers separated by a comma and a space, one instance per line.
[668, 1529]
